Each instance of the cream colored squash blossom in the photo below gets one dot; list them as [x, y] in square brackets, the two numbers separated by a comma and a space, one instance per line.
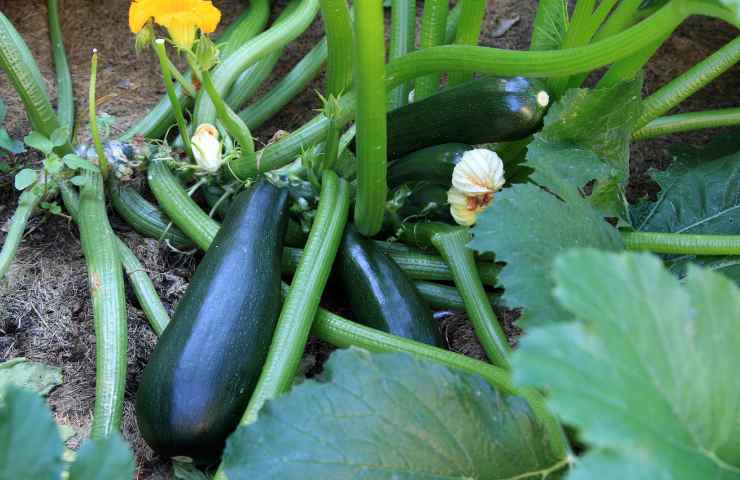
[181, 18]
[475, 179]
[207, 148]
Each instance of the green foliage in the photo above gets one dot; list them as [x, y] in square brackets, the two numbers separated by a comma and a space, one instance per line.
[39, 142]
[21, 373]
[6, 143]
[25, 178]
[644, 370]
[700, 194]
[550, 25]
[31, 447]
[391, 416]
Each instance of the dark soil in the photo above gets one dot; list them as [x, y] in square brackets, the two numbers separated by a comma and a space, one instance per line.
[45, 312]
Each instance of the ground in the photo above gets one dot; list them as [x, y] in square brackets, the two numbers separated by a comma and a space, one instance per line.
[44, 306]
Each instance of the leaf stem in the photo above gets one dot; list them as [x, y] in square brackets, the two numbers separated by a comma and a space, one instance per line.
[682, 243]
[468, 31]
[65, 93]
[403, 37]
[689, 82]
[93, 117]
[164, 64]
[686, 122]
[339, 36]
[26, 205]
[302, 301]
[371, 117]
[433, 24]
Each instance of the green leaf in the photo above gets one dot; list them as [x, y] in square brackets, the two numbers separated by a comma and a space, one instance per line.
[60, 136]
[106, 122]
[390, 416]
[108, 458]
[10, 145]
[4, 167]
[3, 111]
[550, 25]
[25, 178]
[527, 227]
[53, 164]
[644, 371]
[39, 142]
[76, 162]
[700, 194]
[79, 180]
[33, 376]
[30, 446]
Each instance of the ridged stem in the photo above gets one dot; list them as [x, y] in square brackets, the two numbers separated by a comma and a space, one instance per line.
[403, 38]
[302, 301]
[682, 243]
[687, 122]
[619, 19]
[445, 297]
[65, 93]
[109, 307]
[169, 86]
[575, 36]
[453, 19]
[689, 82]
[93, 117]
[468, 31]
[339, 36]
[294, 82]
[277, 36]
[371, 117]
[178, 205]
[26, 205]
[433, 23]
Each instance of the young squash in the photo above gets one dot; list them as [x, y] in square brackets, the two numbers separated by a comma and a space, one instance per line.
[380, 294]
[484, 110]
[207, 362]
[431, 164]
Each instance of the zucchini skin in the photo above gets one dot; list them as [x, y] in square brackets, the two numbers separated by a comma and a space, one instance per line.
[479, 111]
[207, 362]
[432, 164]
[380, 294]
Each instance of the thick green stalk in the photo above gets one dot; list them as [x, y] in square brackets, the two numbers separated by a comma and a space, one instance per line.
[451, 243]
[176, 203]
[682, 243]
[433, 24]
[575, 36]
[276, 37]
[453, 19]
[627, 68]
[491, 61]
[287, 88]
[620, 19]
[159, 119]
[245, 165]
[109, 307]
[65, 93]
[344, 333]
[468, 31]
[140, 281]
[93, 117]
[338, 27]
[403, 38]
[23, 72]
[687, 122]
[302, 301]
[689, 82]
[371, 117]
[26, 205]
[444, 297]
[178, 77]
[164, 66]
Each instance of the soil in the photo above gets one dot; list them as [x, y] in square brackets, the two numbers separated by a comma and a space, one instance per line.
[45, 312]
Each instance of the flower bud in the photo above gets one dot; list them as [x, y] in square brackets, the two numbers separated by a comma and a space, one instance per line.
[480, 172]
[465, 208]
[207, 148]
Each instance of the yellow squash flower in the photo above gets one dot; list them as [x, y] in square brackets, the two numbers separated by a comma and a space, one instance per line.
[181, 18]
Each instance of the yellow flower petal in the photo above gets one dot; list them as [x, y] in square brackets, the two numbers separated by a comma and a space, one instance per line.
[181, 28]
[208, 16]
[139, 13]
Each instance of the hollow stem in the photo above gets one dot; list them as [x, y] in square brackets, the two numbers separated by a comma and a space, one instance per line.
[65, 93]
[164, 64]
[682, 243]
[433, 24]
[93, 117]
[687, 122]
[371, 117]
[468, 31]
[403, 37]
[338, 27]
[26, 205]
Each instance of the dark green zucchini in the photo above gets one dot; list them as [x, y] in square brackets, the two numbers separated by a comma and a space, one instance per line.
[380, 294]
[207, 362]
[432, 164]
[144, 217]
[479, 111]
